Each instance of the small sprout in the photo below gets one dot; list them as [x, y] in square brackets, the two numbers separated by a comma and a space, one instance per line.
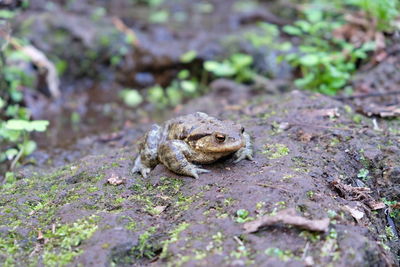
[390, 233]
[333, 234]
[188, 56]
[131, 98]
[310, 194]
[357, 118]
[260, 205]
[363, 174]
[242, 216]
[331, 214]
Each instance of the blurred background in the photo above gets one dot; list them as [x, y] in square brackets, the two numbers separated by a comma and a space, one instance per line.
[72, 69]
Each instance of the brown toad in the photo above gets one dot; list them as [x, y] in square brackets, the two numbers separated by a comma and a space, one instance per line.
[194, 138]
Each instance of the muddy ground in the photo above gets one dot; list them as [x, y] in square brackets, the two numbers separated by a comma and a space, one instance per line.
[312, 153]
[303, 144]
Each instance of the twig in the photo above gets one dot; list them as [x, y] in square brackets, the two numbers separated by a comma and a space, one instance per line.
[16, 159]
[303, 257]
[240, 242]
[41, 60]
[120, 25]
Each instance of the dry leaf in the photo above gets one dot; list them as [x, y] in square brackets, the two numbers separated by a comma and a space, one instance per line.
[358, 215]
[115, 180]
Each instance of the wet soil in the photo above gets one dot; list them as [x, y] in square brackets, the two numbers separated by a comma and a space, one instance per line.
[308, 147]
[303, 143]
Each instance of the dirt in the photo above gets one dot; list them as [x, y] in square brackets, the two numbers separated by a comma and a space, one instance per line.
[300, 149]
[78, 204]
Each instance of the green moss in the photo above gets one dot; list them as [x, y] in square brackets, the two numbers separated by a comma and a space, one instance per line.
[62, 245]
[145, 248]
[9, 248]
[92, 189]
[173, 237]
[275, 151]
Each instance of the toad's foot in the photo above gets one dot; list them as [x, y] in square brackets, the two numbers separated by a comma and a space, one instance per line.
[139, 167]
[173, 155]
[245, 152]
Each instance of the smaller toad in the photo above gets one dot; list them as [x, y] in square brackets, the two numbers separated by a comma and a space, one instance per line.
[192, 139]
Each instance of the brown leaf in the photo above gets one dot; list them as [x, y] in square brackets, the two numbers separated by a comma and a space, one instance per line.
[358, 215]
[287, 216]
[115, 180]
[376, 205]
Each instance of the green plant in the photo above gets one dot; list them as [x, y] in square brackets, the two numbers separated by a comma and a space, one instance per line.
[15, 123]
[62, 245]
[237, 66]
[363, 174]
[325, 63]
[144, 247]
[242, 216]
[394, 213]
[384, 11]
[131, 98]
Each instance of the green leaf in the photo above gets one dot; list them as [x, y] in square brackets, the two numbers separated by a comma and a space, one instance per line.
[29, 147]
[39, 125]
[131, 98]
[188, 56]
[292, 30]
[18, 125]
[11, 153]
[183, 74]
[313, 15]
[188, 86]
[309, 60]
[2, 103]
[23, 125]
[219, 69]
[303, 82]
[6, 14]
[241, 60]
[305, 26]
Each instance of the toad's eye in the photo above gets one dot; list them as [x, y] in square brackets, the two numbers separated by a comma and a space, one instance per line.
[220, 137]
[242, 130]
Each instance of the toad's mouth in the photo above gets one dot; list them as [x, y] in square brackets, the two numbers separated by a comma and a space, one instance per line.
[223, 147]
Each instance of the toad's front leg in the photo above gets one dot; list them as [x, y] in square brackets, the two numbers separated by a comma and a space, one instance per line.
[148, 152]
[245, 152]
[173, 154]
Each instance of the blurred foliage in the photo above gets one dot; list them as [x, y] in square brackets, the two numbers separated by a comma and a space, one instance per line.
[384, 11]
[326, 63]
[15, 122]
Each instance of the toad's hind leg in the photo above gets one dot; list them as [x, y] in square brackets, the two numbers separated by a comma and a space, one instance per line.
[173, 154]
[148, 151]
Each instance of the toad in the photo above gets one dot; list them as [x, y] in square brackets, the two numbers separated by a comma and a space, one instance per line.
[192, 139]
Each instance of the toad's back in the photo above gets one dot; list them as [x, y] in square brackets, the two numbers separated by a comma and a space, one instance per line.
[193, 126]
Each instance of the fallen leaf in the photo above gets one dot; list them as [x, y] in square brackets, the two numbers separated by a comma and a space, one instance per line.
[358, 215]
[287, 216]
[40, 236]
[376, 205]
[160, 209]
[115, 180]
